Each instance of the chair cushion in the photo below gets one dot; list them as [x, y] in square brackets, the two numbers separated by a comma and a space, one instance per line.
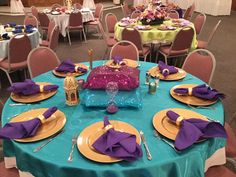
[145, 51]
[14, 66]
[111, 41]
[166, 49]
[201, 44]
[92, 23]
[44, 43]
[231, 141]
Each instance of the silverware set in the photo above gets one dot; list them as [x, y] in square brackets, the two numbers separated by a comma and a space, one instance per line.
[74, 141]
[149, 156]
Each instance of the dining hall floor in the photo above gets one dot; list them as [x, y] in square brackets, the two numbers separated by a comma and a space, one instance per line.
[222, 46]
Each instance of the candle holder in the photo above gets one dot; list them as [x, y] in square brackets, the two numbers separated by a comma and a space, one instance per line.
[90, 54]
[71, 90]
[152, 88]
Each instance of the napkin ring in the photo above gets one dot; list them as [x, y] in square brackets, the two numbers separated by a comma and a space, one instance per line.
[41, 118]
[166, 70]
[76, 68]
[190, 91]
[108, 127]
[41, 88]
[179, 120]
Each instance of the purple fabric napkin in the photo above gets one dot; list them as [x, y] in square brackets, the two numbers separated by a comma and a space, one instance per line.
[166, 69]
[201, 91]
[117, 59]
[193, 129]
[118, 144]
[29, 87]
[17, 130]
[68, 66]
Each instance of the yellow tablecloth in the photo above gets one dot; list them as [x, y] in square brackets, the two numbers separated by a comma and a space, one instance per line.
[154, 35]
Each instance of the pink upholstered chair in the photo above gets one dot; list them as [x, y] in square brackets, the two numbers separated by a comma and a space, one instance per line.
[31, 20]
[189, 12]
[180, 46]
[125, 49]
[126, 9]
[173, 14]
[18, 50]
[12, 172]
[35, 12]
[219, 171]
[204, 44]
[78, 6]
[44, 21]
[203, 58]
[110, 21]
[56, 5]
[54, 37]
[135, 14]
[75, 23]
[132, 34]
[199, 22]
[51, 26]
[41, 60]
[231, 140]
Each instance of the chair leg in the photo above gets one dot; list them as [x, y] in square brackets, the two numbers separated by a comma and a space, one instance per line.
[105, 54]
[157, 56]
[85, 39]
[9, 77]
[68, 34]
[165, 59]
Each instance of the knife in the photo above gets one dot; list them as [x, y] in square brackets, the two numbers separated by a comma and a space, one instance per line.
[44, 144]
[149, 156]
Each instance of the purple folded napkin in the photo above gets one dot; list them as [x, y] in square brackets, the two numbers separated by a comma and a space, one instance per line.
[166, 69]
[201, 91]
[193, 129]
[19, 27]
[118, 60]
[68, 66]
[17, 130]
[117, 144]
[29, 87]
[16, 31]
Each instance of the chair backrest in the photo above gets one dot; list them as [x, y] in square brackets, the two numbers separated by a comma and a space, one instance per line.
[189, 12]
[54, 6]
[132, 34]
[213, 32]
[136, 14]
[110, 21]
[200, 63]
[173, 14]
[41, 60]
[51, 26]
[183, 39]
[199, 22]
[98, 11]
[19, 48]
[34, 12]
[125, 9]
[54, 37]
[43, 19]
[125, 49]
[75, 19]
[78, 6]
[31, 20]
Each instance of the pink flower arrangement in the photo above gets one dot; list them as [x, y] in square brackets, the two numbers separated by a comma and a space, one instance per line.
[153, 17]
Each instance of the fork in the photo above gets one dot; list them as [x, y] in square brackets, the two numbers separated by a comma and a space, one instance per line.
[74, 140]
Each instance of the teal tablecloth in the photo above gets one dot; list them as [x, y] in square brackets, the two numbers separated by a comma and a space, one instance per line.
[51, 161]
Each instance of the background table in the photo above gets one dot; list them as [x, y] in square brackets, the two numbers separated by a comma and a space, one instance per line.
[34, 39]
[52, 159]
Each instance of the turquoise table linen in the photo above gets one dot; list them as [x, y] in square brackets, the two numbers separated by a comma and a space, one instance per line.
[51, 161]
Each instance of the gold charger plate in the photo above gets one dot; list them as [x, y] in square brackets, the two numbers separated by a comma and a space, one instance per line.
[35, 97]
[62, 74]
[177, 76]
[128, 62]
[191, 100]
[51, 126]
[169, 129]
[91, 133]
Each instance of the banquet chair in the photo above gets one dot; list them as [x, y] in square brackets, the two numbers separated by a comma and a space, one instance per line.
[31, 20]
[54, 37]
[34, 12]
[203, 58]
[41, 60]
[199, 22]
[231, 140]
[180, 45]
[78, 6]
[204, 44]
[189, 12]
[44, 21]
[173, 14]
[133, 35]
[12, 172]
[135, 14]
[125, 49]
[18, 49]
[97, 18]
[126, 9]
[219, 171]
[51, 26]
[75, 23]
[56, 5]
[110, 22]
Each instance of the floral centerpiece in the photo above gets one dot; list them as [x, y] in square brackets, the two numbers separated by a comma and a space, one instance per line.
[140, 7]
[153, 17]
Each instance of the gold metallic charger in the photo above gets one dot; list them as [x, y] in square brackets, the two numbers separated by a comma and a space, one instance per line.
[76, 74]
[51, 126]
[91, 133]
[190, 100]
[128, 62]
[33, 98]
[154, 71]
[169, 129]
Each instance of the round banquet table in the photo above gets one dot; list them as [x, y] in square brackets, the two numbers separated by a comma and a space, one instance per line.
[52, 159]
[62, 20]
[155, 35]
[34, 40]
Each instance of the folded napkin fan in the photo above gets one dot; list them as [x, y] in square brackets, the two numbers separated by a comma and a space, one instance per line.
[117, 144]
[194, 129]
[17, 130]
[200, 91]
[29, 87]
[68, 66]
[166, 69]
